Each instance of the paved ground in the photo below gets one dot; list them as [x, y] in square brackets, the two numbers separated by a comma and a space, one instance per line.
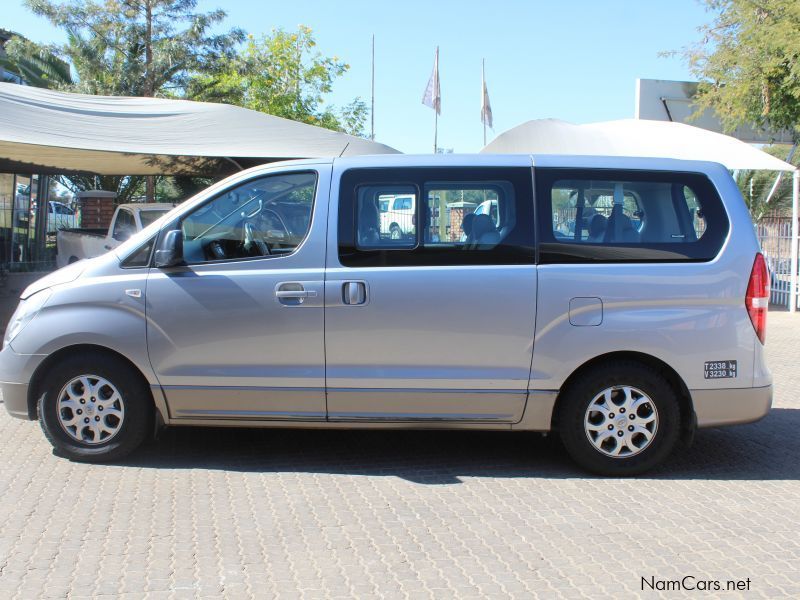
[236, 514]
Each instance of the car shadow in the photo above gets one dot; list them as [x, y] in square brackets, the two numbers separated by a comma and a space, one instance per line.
[767, 450]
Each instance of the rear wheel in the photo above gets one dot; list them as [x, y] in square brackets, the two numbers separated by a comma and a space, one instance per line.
[619, 419]
[395, 232]
[95, 408]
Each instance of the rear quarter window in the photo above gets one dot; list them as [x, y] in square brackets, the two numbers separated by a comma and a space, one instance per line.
[628, 216]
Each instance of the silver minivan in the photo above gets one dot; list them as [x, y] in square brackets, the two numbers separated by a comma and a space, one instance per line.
[620, 302]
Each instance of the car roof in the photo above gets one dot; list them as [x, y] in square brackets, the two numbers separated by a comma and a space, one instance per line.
[514, 160]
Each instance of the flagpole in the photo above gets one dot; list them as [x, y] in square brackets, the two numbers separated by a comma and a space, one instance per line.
[435, 105]
[372, 110]
[432, 99]
[483, 87]
[435, 130]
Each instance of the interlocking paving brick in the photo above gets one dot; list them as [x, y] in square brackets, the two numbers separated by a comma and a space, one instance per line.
[220, 513]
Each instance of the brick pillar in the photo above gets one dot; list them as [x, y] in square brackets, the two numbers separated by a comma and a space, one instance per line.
[96, 208]
[457, 212]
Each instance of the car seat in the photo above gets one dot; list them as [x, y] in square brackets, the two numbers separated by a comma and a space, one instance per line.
[597, 228]
[484, 234]
[369, 221]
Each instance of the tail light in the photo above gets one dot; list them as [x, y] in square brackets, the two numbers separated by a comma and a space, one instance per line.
[757, 298]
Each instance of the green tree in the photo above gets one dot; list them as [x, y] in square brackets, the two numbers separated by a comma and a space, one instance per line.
[137, 47]
[747, 63]
[36, 65]
[282, 74]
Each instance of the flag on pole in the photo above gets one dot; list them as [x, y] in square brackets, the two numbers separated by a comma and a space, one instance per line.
[433, 94]
[486, 107]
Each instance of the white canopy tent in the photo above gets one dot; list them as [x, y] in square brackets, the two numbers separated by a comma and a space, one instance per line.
[43, 131]
[656, 139]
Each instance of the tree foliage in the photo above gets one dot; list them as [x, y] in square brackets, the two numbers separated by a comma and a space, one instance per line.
[282, 74]
[37, 65]
[137, 47]
[747, 63]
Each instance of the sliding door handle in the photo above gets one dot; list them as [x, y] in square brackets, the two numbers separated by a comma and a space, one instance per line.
[354, 293]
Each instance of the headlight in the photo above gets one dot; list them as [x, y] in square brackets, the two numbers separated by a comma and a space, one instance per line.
[25, 312]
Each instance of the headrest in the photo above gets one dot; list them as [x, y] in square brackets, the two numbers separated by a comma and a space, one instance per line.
[482, 224]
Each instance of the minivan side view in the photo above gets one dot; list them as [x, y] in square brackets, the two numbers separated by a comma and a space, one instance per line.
[619, 303]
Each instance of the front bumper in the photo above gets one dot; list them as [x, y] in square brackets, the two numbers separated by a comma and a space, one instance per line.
[716, 408]
[16, 371]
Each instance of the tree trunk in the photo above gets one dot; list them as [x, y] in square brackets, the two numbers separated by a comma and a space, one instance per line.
[149, 84]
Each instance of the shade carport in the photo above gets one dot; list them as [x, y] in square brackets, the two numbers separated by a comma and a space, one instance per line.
[44, 131]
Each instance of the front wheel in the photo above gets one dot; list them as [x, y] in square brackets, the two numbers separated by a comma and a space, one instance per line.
[95, 408]
[619, 419]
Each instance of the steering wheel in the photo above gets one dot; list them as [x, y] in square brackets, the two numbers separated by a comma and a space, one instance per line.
[275, 218]
[251, 239]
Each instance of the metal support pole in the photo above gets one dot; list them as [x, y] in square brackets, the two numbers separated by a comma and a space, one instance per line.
[793, 262]
[779, 176]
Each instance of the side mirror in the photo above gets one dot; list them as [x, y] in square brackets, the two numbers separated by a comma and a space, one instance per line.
[169, 252]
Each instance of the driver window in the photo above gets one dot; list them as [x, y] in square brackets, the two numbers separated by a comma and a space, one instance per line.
[268, 216]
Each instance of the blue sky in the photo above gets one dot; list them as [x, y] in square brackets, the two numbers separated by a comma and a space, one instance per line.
[576, 60]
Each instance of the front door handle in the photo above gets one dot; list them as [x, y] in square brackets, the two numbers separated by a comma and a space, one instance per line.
[293, 293]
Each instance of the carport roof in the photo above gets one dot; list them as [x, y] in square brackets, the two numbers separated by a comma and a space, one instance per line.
[633, 137]
[46, 131]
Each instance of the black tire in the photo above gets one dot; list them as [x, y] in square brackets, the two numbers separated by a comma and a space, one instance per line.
[395, 232]
[572, 413]
[135, 396]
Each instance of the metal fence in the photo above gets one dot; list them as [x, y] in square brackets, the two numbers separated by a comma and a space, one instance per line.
[775, 235]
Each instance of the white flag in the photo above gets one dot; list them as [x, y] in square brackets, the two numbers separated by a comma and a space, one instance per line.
[433, 95]
[486, 107]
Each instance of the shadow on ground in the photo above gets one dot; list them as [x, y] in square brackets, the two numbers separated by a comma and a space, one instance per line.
[768, 450]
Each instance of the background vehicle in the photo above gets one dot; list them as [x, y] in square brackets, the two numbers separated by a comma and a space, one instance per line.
[273, 299]
[397, 215]
[73, 244]
[60, 216]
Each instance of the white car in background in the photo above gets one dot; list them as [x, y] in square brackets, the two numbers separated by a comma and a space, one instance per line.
[60, 216]
[489, 207]
[397, 216]
[75, 244]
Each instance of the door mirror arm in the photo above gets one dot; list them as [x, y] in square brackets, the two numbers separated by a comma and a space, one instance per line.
[169, 252]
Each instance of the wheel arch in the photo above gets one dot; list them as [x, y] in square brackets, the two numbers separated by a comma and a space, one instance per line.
[684, 396]
[38, 377]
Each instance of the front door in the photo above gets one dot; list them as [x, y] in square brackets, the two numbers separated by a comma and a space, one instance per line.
[237, 333]
[434, 322]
